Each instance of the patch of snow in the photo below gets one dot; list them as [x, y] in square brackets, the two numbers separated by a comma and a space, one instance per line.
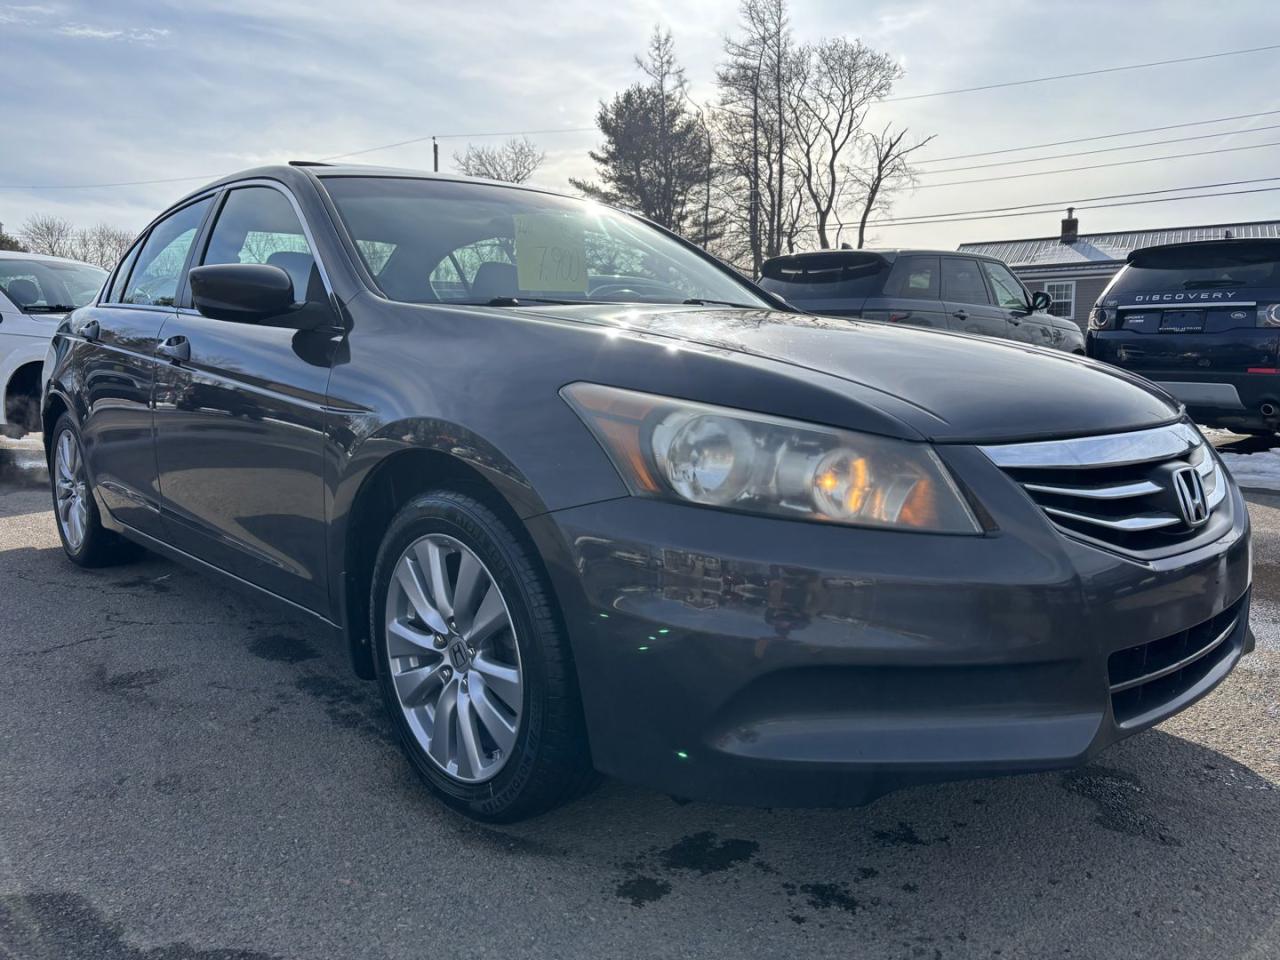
[1260, 470]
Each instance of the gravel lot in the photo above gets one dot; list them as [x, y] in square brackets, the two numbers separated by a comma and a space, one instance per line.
[187, 775]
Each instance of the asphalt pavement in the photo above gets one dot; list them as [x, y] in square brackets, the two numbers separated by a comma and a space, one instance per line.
[188, 774]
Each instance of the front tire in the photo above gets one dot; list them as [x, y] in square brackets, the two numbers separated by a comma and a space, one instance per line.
[473, 664]
[84, 539]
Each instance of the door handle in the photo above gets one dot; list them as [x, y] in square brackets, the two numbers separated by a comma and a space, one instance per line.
[91, 331]
[176, 349]
[961, 315]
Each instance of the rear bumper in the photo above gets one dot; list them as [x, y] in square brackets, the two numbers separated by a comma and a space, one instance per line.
[749, 660]
[1208, 373]
[1226, 399]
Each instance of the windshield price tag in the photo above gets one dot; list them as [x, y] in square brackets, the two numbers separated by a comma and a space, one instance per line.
[551, 254]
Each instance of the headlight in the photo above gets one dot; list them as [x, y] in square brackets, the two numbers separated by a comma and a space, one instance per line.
[718, 457]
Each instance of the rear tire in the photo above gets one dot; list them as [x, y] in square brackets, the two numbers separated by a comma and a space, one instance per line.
[85, 540]
[488, 715]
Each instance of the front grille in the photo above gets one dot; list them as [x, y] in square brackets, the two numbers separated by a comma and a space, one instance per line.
[1146, 678]
[1122, 490]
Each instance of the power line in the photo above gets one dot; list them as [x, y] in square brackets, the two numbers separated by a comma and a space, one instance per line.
[1098, 166]
[1082, 73]
[1075, 201]
[1101, 136]
[1087, 153]
[558, 130]
[1100, 206]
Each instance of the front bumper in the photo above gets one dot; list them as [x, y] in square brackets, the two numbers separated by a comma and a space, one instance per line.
[751, 660]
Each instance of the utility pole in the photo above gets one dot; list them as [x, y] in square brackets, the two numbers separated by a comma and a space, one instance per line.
[435, 155]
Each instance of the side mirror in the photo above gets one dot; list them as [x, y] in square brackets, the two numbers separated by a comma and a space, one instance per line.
[241, 292]
[1041, 300]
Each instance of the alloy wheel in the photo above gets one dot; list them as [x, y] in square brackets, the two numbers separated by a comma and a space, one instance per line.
[453, 656]
[72, 494]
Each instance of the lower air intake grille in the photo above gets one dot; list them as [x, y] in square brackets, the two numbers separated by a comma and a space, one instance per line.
[1149, 493]
[1145, 678]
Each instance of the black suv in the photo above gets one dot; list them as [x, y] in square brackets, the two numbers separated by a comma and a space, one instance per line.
[579, 497]
[925, 288]
[1203, 321]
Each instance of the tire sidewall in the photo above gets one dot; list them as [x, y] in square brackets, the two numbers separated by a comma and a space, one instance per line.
[457, 518]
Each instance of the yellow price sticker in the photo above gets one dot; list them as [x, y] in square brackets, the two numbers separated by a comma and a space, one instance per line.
[551, 253]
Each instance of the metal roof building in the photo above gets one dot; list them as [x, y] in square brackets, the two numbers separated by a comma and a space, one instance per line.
[1074, 267]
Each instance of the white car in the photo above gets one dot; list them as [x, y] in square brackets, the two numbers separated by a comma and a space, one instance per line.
[35, 293]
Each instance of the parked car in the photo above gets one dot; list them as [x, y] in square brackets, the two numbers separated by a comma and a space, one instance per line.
[942, 289]
[580, 498]
[1203, 321]
[35, 293]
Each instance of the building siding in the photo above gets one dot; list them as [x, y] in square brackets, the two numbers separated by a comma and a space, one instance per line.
[1088, 290]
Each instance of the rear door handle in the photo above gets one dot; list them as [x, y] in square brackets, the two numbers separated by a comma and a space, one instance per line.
[961, 315]
[176, 349]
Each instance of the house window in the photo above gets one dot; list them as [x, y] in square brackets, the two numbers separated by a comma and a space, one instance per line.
[1063, 293]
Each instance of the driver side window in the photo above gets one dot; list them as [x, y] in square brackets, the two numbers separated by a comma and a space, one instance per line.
[1008, 291]
[155, 275]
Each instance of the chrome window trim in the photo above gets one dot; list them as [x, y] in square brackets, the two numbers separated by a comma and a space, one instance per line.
[1106, 450]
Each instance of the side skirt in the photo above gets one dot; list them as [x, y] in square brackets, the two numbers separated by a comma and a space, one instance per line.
[186, 559]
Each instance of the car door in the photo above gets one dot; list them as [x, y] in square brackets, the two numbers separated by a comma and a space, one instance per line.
[240, 412]
[117, 367]
[968, 302]
[911, 294]
[1012, 297]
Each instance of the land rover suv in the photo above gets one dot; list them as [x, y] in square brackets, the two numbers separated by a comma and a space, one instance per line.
[1203, 321]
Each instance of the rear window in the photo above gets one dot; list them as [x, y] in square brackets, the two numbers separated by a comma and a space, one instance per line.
[1203, 266]
[838, 277]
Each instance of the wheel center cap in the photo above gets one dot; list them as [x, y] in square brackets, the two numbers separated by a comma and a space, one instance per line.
[459, 655]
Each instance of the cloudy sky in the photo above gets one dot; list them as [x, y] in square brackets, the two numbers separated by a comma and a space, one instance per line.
[127, 90]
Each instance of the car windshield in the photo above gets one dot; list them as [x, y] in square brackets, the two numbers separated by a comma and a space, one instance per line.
[442, 241]
[49, 286]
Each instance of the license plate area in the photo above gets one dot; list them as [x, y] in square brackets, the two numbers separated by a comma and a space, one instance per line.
[1182, 321]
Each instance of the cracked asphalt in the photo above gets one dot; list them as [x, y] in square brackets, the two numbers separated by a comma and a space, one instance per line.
[186, 774]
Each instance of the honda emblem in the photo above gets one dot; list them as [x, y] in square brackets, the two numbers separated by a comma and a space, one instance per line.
[1191, 499]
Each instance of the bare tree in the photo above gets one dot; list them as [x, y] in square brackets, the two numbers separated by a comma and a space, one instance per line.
[837, 80]
[49, 235]
[756, 128]
[884, 169]
[514, 161]
[102, 245]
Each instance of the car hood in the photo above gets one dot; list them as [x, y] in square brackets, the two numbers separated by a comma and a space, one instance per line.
[956, 388]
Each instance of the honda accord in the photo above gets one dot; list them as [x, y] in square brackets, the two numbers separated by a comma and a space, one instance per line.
[580, 498]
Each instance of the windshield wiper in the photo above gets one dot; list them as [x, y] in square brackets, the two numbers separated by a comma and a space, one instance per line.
[48, 308]
[704, 302]
[517, 302]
